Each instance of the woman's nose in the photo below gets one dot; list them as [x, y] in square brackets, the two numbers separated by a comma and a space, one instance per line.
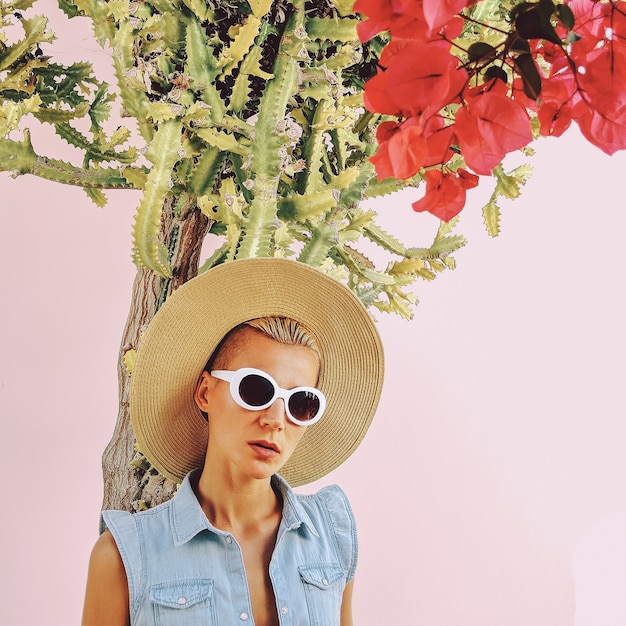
[274, 416]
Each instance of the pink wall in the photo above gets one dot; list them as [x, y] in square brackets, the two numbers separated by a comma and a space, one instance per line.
[500, 438]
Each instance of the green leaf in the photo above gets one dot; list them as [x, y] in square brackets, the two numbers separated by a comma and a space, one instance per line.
[530, 75]
[565, 15]
[519, 45]
[534, 23]
[494, 71]
[481, 51]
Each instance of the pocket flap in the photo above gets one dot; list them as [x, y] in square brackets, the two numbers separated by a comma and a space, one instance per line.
[322, 575]
[181, 594]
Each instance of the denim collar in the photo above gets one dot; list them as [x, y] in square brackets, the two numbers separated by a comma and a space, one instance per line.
[188, 519]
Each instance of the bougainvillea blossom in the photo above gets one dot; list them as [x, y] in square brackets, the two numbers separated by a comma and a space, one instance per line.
[420, 80]
[402, 18]
[445, 193]
[439, 13]
[489, 127]
[402, 150]
[558, 63]
[608, 134]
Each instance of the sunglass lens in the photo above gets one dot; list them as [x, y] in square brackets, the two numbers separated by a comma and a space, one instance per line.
[255, 390]
[304, 405]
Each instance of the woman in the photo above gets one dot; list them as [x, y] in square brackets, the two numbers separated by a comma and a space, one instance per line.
[292, 380]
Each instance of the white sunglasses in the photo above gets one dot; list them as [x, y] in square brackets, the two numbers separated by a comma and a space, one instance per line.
[255, 390]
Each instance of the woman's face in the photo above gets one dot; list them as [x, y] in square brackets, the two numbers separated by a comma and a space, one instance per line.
[248, 443]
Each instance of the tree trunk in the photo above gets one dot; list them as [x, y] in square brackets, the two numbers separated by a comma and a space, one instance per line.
[127, 487]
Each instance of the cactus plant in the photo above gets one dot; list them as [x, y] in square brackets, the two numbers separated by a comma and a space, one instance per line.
[251, 114]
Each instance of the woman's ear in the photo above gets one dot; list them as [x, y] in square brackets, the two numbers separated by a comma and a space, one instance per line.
[203, 389]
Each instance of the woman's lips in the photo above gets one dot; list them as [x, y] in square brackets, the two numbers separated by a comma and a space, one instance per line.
[265, 449]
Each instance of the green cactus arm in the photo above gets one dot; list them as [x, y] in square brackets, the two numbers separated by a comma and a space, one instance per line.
[98, 150]
[260, 7]
[202, 69]
[34, 33]
[20, 157]
[135, 101]
[12, 112]
[344, 7]
[166, 7]
[314, 151]
[101, 16]
[240, 45]
[383, 239]
[250, 66]
[265, 167]
[164, 28]
[223, 141]
[163, 154]
[201, 9]
[360, 266]
[306, 207]
[443, 245]
[11, 6]
[202, 178]
[330, 29]
[323, 238]
[218, 256]
[508, 185]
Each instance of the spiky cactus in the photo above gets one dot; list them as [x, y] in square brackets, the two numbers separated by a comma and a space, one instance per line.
[251, 114]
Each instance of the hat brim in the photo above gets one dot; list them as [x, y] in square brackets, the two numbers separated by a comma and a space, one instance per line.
[170, 429]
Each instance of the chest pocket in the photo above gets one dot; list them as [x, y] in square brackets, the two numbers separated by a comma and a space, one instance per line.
[323, 586]
[183, 603]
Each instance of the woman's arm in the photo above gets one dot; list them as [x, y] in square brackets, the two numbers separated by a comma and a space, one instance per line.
[346, 605]
[106, 598]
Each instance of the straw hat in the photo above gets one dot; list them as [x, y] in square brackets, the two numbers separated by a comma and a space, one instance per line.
[170, 429]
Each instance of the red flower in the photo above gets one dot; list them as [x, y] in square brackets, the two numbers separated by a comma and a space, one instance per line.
[421, 78]
[406, 148]
[403, 18]
[490, 126]
[608, 134]
[445, 193]
[439, 13]
[401, 151]
[557, 98]
[603, 79]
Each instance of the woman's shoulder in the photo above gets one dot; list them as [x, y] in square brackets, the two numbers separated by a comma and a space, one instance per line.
[332, 497]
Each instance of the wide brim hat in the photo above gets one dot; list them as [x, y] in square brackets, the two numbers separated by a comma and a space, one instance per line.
[170, 429]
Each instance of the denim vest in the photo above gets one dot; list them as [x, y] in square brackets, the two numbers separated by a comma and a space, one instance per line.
[183, 571]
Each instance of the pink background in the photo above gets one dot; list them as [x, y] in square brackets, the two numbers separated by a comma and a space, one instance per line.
[494, 476]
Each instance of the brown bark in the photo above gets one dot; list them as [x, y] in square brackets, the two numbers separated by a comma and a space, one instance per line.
[126, 487]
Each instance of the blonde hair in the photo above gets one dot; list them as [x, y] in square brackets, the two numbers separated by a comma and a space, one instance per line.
[282, 329]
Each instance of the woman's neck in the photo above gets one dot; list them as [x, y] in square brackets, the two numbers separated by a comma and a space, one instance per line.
[238, 506]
